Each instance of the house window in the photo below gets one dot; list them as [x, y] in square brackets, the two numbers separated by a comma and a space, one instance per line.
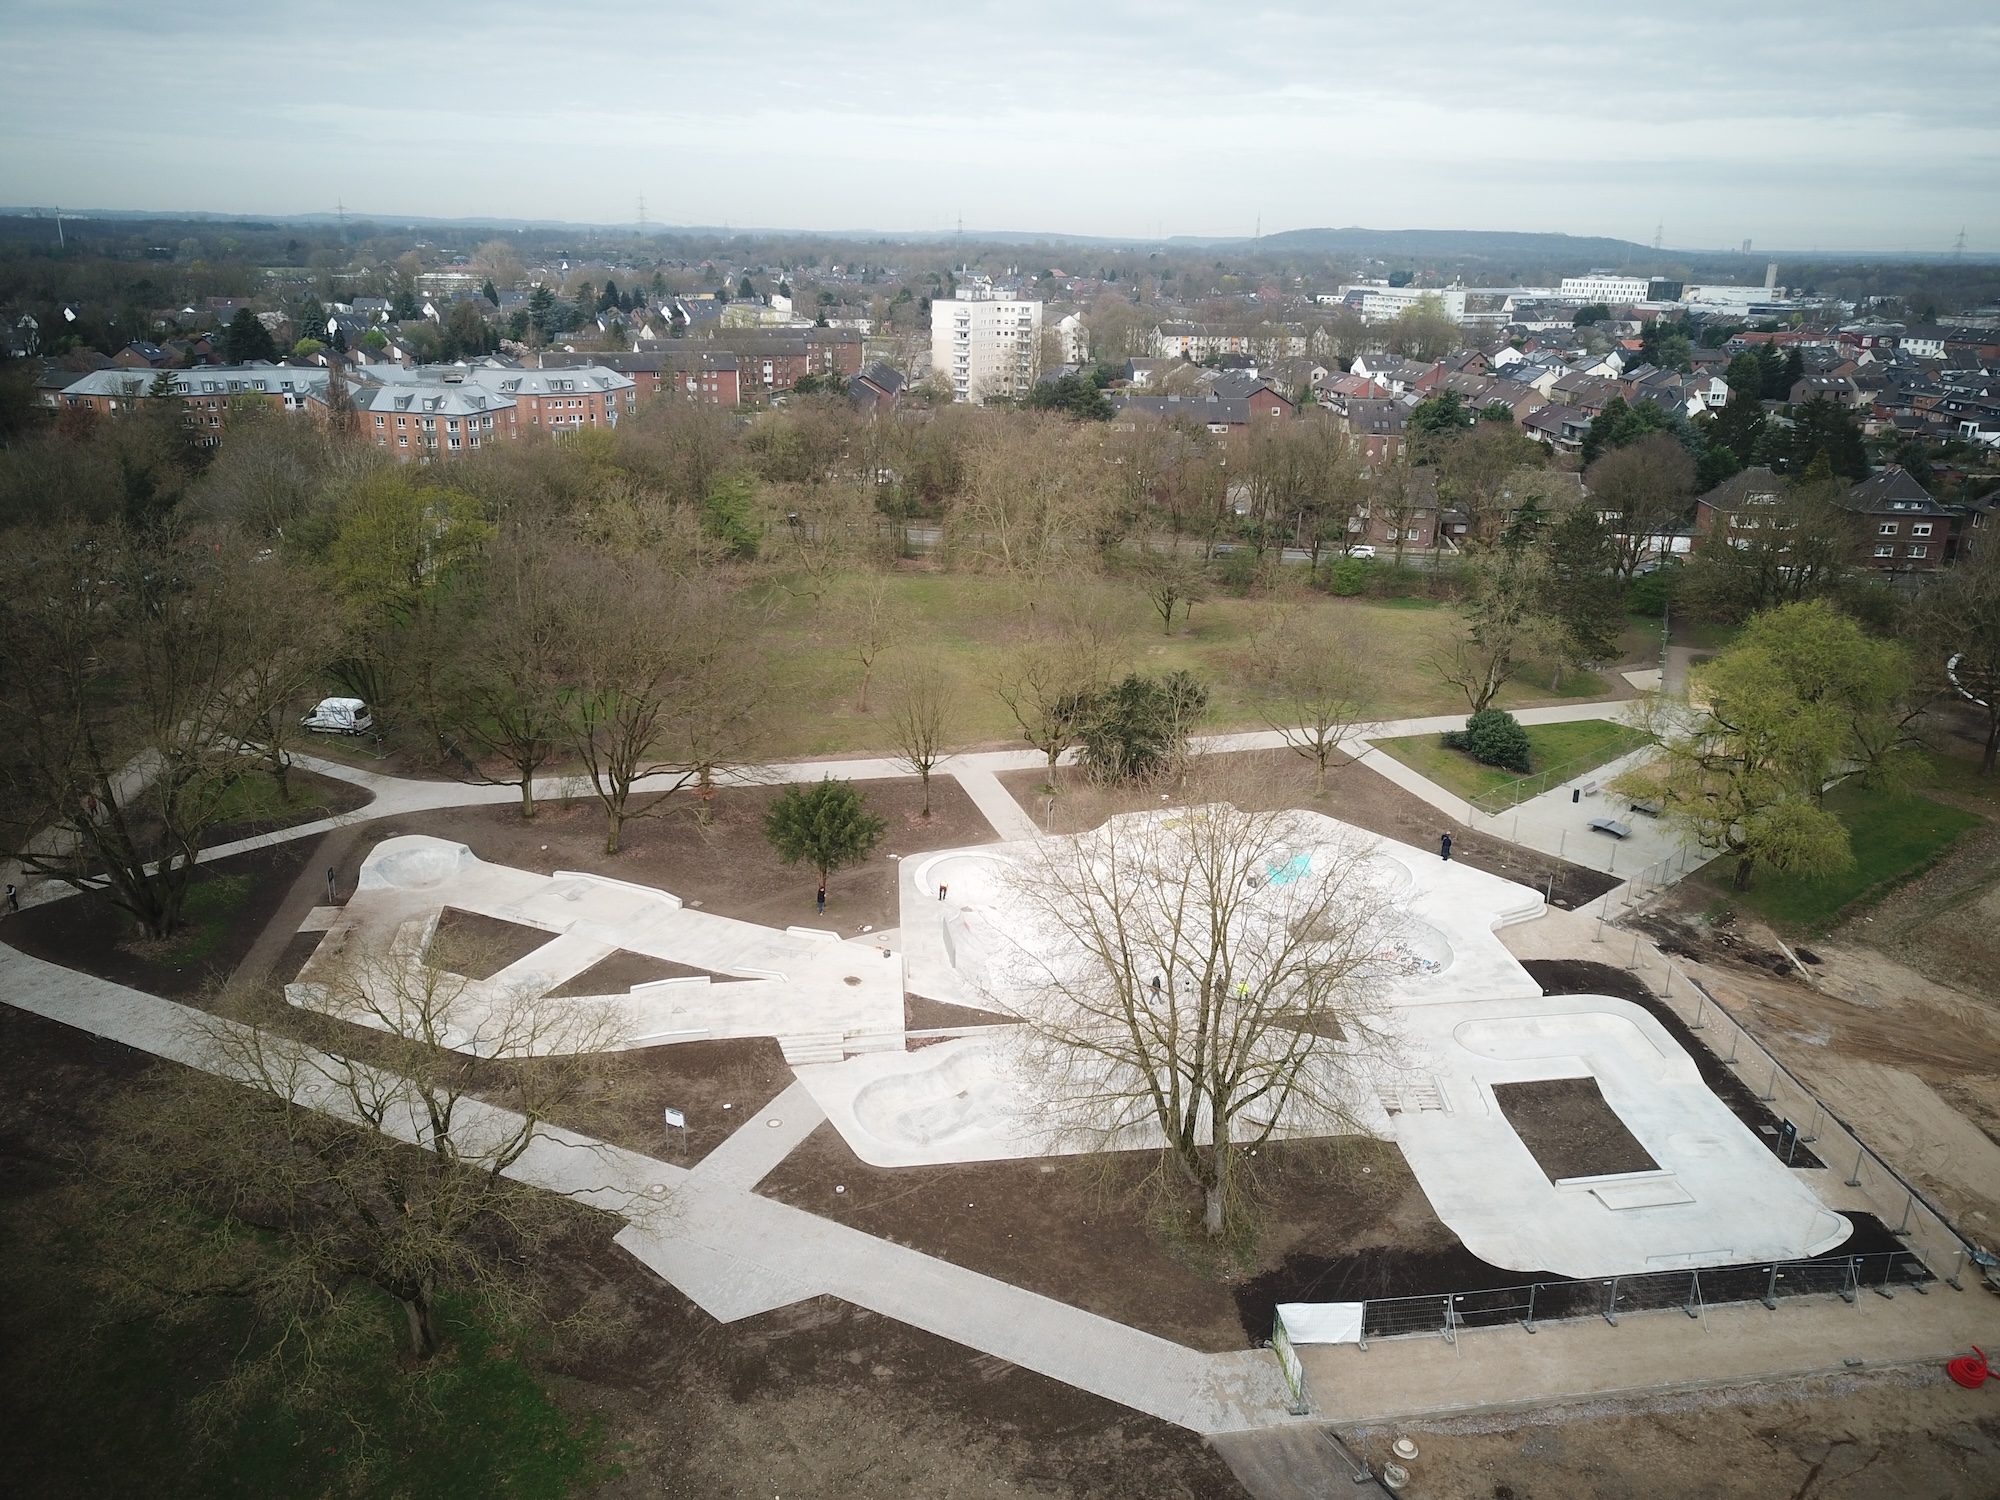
[1919, 552]
[1885, 551]
[1920, 528]
[1887, 528]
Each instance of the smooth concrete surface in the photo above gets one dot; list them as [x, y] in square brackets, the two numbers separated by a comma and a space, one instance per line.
[794, 984]
[1719, 1197]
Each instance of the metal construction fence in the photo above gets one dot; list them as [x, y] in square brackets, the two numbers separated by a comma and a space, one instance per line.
[1514, 793]
[1846, 1276]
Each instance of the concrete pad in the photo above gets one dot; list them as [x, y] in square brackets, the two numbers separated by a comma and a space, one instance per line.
[1718, 1198]
[805, 984]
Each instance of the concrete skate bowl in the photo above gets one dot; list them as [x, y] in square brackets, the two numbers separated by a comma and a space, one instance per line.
[414, 863]
[1413, 949]
[970, 877]
[1390, 876]
[956, 1097]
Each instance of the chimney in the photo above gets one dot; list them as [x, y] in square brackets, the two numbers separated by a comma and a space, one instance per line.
[1770, 276]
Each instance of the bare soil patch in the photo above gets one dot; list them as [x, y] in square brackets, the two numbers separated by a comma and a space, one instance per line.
[921, 1013]
[1569, 1129]
[619, 972]
[1877, 1435]
[725, 866]
[1086, 1231]
[1261, 780]
[479, 946]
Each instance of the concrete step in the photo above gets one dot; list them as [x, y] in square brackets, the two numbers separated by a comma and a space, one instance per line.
[813, 1047]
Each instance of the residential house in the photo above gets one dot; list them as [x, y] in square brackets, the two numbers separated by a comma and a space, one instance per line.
[1561, 427]
[876, 389]
[1905, 530]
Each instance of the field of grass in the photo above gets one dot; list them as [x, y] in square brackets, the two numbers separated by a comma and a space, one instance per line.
[972, 620]
[1894, 839]
[1587, 743]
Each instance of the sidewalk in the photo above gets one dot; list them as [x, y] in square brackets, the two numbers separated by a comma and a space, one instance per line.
[1503, 1369]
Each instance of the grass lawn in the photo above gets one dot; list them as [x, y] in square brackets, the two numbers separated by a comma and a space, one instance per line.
[1587, 743]
[1894, 838]
[971, 621]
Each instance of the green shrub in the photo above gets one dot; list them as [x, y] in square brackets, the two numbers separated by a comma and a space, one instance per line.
[1649, 592]
[1130, 730]
[1493, 737]
[1348, 577]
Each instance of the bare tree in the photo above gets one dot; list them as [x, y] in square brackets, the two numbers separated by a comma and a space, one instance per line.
[1319, 690]
[1172, 582]
[869, 622]
[1188, 972]
[130, 689]
[625, 638]
[1502, 621]
[309, 1183]
[1649, 484]
[921, 704]
[507, 696]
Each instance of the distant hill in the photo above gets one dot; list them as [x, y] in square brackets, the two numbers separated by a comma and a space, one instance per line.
[1483, 244]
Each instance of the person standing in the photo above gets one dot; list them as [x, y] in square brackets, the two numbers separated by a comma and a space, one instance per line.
[13, 899]
[1444, 847]
[941, 890]
[822, 898]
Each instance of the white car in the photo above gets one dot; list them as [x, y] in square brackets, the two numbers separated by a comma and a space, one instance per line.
[340, 716]
[1363, 551]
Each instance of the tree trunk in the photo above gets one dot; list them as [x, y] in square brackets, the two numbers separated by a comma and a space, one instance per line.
[1211, 1213]
[1745, 863]
[614, 823]
[1992, 747]
[527, 795]
[421, 1320]
[925, 778]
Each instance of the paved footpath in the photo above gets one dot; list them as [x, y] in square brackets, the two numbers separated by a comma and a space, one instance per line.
[736, 1254]
[976, 771]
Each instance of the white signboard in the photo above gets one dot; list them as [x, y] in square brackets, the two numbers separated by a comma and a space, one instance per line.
[675, 1119]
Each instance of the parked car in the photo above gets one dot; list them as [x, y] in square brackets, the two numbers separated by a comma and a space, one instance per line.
[339, 716]
[1363, 551]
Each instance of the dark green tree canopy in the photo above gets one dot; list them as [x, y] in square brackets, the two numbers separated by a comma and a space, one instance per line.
[826, 825]
[1493, 737]
[1131, 730]
[1078, 395]
[246, 339]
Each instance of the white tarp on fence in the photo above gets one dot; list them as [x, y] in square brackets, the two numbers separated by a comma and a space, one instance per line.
[1322, 1322]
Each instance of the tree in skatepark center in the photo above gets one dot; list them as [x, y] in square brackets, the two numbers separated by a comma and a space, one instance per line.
[826, 825]
[1189, 972]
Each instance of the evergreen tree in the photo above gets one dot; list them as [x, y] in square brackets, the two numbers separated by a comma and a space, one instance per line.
[826, 825]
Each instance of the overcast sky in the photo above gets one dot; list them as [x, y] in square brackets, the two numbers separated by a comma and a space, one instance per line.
[1797, 124]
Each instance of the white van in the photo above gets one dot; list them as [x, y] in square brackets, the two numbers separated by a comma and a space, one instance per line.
[340, 716]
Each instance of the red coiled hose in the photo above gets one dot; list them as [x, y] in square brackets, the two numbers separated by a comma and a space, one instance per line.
[1969, 1370]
